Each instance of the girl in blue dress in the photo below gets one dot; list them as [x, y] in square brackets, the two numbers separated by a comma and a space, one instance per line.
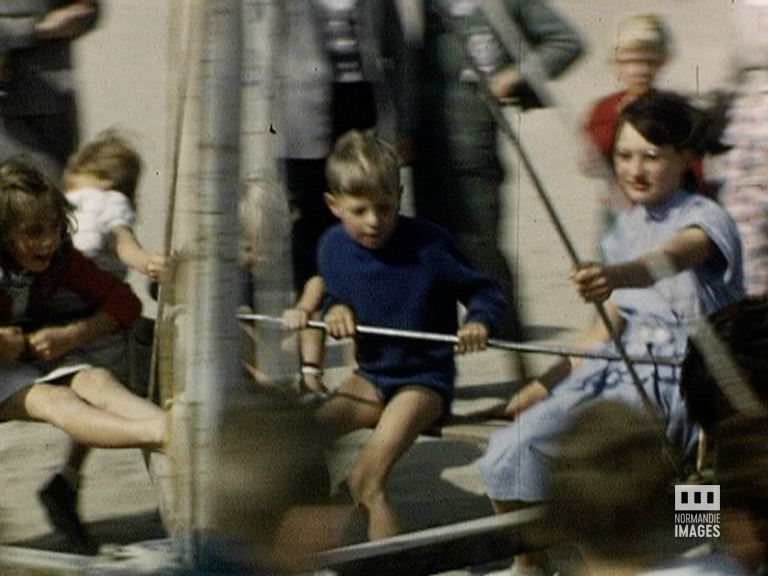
[668, 262]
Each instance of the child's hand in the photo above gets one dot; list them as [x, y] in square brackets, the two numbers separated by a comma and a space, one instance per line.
[592, 282]
[473, 337]
[66, 22]
[12, 343]
[52, 343]
[503, 83]
[340, 321]
[295, 318]
[157, 266]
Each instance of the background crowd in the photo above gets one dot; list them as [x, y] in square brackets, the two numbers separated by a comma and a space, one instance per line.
[356, 65]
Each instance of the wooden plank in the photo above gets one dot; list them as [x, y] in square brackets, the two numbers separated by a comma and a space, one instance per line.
[456, 546]
[16, 561]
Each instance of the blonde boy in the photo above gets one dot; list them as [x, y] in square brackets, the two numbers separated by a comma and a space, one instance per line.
[381, 268]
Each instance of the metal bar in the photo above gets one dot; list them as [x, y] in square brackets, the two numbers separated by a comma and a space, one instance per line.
[492, 342]
[435, 550]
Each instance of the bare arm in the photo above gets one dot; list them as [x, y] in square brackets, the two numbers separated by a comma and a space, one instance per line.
[54, 342]
[309, 302]
[131, 253]
[690, 248]
[68, 22]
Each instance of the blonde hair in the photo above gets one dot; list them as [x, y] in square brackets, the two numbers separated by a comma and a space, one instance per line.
[643, 32]
[262, 214]
[111, 158]
[361, 164]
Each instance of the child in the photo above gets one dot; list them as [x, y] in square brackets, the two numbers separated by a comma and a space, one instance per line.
[43, 379]
[610, 495]
[100, 181]
[640, 50]
[670, 260]
[379, 268]
[732, 412]
[264, 244]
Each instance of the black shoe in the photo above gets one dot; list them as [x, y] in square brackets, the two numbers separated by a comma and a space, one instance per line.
[60, 502]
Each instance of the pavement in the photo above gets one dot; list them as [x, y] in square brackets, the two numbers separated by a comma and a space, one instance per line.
[436, 483]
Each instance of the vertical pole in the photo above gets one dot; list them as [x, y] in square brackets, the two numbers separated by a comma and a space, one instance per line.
[212, 335]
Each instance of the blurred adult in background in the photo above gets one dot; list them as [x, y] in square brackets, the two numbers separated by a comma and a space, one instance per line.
[38, 108]
[457, 172]
[744, 168]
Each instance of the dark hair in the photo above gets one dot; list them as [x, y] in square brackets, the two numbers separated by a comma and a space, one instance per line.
[742, 330]
[609, 489]
[662, 118]
[26, 192]
[741, 464]
[668, 119]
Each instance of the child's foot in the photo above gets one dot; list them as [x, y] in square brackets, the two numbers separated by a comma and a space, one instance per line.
[59, 499]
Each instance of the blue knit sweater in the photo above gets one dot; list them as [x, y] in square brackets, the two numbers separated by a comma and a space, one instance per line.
[414, 282]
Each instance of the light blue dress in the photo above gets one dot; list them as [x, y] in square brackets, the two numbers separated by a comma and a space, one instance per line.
[657, 322]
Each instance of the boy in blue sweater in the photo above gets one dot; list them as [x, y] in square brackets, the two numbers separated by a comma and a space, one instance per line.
[383, 269]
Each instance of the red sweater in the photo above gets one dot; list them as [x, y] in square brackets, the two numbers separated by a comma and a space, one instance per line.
[71, 270]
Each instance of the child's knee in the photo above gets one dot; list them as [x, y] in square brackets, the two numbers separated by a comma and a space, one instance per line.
[92, 377]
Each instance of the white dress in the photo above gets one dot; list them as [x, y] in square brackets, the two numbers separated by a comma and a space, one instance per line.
[97, 212]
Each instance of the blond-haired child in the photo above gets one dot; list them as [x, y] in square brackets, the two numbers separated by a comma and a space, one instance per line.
[639, 48]
[383, 269]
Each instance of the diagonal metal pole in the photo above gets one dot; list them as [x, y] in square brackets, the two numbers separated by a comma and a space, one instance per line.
[509, 132]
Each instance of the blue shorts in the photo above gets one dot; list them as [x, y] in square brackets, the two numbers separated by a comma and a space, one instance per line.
[386, 388]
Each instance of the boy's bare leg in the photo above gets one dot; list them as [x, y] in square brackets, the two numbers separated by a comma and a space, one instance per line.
[411, 411]
[353, 405]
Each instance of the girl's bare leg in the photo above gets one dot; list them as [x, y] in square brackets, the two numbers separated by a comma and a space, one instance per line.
[99, 388]
[85, 423]
[412, 410]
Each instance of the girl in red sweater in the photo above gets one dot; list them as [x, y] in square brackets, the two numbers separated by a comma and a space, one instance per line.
[41, 376]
